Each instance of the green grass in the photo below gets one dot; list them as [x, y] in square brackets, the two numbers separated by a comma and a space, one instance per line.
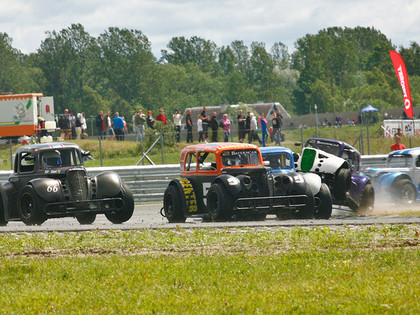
[365, 270]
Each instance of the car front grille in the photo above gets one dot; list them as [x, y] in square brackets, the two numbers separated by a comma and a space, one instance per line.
[77, 184]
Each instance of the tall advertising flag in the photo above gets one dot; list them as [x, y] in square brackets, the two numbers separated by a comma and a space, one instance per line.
[401, 71]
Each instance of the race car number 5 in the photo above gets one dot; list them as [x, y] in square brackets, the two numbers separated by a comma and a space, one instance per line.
[52, 188]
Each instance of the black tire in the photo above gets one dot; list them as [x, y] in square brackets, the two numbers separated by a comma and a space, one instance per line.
[368, 199]
[308, 211]
[3, 221]
[172, 205]
[30, 207]
[124, 213]
[342, 183]
[404, 191]
[324, 209]
[219, 203]
[86, 218]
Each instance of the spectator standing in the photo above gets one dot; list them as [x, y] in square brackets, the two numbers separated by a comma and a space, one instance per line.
[276, 129]
[253, 134]
[100, 127]
[214, 125]
[139, 121]
[205, 122]
[161, 117]
[226, 127]
[189, 126]
[78, 126]
[241, 126]
[177, 122]
[125, 128]
[280, 119]
[200, 130]
[84, 126]
[397, 145]
[118, 127]
[263, 124]
[149, 120]
[248, 125]
[108, 126]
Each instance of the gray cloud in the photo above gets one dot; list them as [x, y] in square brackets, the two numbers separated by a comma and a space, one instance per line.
[221, 21]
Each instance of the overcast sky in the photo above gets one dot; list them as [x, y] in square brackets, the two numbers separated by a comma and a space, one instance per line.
[268, 21]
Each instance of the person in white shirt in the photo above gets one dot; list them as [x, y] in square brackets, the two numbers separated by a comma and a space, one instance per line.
[200, 129]
[253, 133]
[177, 122]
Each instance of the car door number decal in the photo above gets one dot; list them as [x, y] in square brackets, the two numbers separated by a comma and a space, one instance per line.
[52, 188]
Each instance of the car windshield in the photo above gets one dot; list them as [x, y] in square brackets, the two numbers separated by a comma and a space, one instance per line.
[60, 158]
[399, 160]
[278, 161]
[240, 158]
[329, 147]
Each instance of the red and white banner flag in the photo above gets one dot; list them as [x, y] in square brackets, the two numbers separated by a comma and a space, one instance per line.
[401, 71]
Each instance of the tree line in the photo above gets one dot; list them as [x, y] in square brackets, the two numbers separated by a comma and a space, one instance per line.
[338, 69]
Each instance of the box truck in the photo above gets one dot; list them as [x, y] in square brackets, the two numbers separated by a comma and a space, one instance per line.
[26, 114]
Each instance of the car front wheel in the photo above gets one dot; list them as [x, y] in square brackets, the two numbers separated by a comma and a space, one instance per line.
[172, 205]
[405, 191]
[368, 199]
[219, 203]
[126, 212]
[325, 203]
[86, 218]
[30, 207]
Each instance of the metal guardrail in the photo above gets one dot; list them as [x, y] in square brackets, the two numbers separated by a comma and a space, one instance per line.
[148, 183]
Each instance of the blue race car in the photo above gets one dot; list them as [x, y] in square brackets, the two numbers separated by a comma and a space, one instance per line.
[281, 162]
[399, 181]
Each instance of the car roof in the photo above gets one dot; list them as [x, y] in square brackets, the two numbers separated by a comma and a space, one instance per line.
[412, 151]
[340, 143]
[275, 149]
[46, 146]
[219, 147]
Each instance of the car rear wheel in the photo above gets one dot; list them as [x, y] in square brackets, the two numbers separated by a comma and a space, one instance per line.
[324, 209]
[219, 203]
[405, 191]
[126, 211]
[368, 199]
[30, 207]
[86, 218]
[172, 205]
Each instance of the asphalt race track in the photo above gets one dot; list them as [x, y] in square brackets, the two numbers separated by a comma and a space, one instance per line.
[148, 217]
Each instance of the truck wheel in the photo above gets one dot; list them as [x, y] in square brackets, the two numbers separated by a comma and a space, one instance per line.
[219, 203]
[3, 221]
[30, 207]
[86, 218]
[368, 198]
[307, 212]
[172, 205]
[405, 191]
[342, 183]
[325, 203]
[126, 212]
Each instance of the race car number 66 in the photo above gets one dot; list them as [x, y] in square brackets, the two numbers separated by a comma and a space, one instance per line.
[52, 188]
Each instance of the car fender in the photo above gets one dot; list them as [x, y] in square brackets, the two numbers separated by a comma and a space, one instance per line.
[231, 183]
[314, 181]
[7, 190]
[108, 184]
[323, 162]
[386, 181]
[49, 189]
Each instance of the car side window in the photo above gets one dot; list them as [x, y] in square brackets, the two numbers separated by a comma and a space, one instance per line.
[418, 161]
[27, 162]
[191, 164]
[207, 161]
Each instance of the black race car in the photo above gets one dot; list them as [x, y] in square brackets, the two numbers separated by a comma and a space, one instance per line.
[50, 181]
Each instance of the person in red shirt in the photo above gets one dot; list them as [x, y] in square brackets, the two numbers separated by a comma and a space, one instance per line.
[161, 117]
[397, 145]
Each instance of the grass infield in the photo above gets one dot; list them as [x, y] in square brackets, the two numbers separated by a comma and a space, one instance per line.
[358, 270]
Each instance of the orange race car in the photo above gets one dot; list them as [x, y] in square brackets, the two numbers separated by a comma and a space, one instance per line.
[222, 181]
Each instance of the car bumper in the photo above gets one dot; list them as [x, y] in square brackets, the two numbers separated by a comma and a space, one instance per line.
[271, 205]
[68, 208]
